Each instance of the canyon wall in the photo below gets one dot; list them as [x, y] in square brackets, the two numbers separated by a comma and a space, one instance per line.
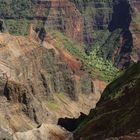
[100, 16]
[40, 83]
[116, 115]
[85, 21]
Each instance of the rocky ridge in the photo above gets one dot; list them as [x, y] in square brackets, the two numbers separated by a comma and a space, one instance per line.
[41, 83]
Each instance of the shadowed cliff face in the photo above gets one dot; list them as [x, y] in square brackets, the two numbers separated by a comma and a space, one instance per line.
[112, 15]
[120, 50]
[122, 55]
[121, 17]
[71, 124]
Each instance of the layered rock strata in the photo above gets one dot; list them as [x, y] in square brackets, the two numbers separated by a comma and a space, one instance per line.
[40, 83]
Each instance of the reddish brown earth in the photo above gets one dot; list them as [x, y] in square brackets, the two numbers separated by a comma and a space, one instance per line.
[72, 20]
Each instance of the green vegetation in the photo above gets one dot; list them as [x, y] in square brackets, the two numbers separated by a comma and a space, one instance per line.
[15, 8]
[109, 44]
[120, 86]
[97, 66]
[106, 67]
[96, 62]
[61, 95]
[17, 27]
[117, 113]
[17, 14]
[14, 13]
[52, 105]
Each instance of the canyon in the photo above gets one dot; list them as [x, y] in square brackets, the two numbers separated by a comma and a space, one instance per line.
[48, 78]
[41, 83]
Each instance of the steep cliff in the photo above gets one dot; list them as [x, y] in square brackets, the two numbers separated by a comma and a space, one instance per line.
[101, 16]
[59, 14]
[85, 21]
[97, 15]
[41, 82]
[117, 113]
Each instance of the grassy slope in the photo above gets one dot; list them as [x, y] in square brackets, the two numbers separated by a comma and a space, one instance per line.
[97, 66]
[118, 112]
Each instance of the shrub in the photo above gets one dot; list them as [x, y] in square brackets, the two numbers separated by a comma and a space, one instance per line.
[17, 27]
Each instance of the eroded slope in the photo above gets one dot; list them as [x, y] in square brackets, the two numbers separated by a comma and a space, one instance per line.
[41, 83]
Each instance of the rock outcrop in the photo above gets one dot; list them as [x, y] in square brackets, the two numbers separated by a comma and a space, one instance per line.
[96, 14]
[44, 132]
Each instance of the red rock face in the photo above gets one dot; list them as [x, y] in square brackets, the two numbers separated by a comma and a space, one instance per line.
[62, 15]
[99, 85]
[74, 64]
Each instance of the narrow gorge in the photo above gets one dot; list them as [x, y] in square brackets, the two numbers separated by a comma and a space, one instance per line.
[58, 59]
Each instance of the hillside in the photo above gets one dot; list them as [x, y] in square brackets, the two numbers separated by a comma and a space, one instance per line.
[117, 113]
[56, 58]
